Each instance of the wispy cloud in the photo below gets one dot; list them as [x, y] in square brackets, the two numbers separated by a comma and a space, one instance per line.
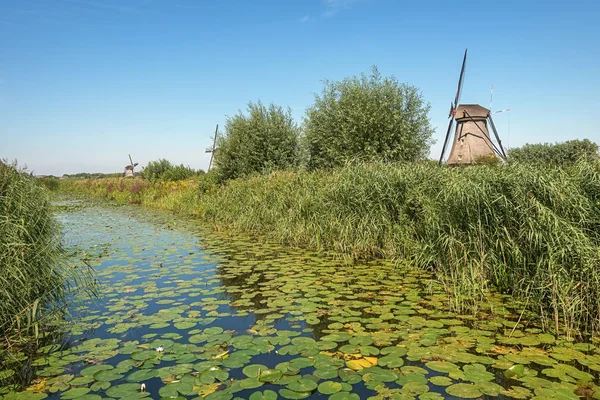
[333, 7]
[304, 19]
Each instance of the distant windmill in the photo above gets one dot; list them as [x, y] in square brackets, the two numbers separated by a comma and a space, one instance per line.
[471, 137]
[213, 149]
[129, 173]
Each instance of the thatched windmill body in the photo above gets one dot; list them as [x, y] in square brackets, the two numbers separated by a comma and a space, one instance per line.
[471, 137]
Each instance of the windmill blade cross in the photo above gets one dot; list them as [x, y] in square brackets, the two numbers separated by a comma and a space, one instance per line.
[460, 80]
[497, 136]
[446, 140]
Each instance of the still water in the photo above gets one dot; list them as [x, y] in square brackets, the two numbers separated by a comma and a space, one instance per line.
[183, 312]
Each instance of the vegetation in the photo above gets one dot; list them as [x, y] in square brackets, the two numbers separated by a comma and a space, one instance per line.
[557, 154]
[264, 140]
[163, 170]
[94, 175]
[531, 232]
[227, 318]
[367, 117]
[34, 279]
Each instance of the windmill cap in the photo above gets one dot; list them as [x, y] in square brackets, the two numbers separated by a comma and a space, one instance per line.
[476, 111]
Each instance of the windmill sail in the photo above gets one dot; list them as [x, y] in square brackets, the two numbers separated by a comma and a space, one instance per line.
[472, 139]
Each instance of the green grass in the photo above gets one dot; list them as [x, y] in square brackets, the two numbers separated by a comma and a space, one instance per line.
[532, 232]
[34, 278]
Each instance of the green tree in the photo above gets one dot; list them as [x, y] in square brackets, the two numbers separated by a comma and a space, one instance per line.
[554, 154]
[368, 117]
[264, 140]
[163, 170]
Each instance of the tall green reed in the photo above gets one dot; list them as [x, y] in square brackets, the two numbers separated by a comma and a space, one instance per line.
[531, 232]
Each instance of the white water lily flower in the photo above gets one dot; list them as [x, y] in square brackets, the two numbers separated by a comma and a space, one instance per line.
[160, 349]
[143, 387]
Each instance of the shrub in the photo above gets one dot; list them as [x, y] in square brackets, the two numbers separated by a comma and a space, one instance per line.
[50, 182]
[367, 117]
[163, 170]
[488, 159]
[264, 140]
[557, 154]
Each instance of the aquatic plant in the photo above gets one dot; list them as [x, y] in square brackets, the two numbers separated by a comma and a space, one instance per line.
[219, 317]
[531, 232]
[34, 278]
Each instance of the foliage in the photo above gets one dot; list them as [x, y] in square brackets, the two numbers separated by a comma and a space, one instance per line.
[34, 279]
[533, 232]
[125, 190]
[557, 154]
[488, 159]
[50, 182]
[367, 117]
[94, 175]
[163, 170]
[264, 140]
[530, 231]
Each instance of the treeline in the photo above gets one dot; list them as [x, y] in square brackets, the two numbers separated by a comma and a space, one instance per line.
[366, 117]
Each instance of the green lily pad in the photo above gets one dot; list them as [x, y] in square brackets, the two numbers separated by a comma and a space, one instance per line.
[290, 394]
[266, 395]
[254, 370]
[329, 387]
[142, 375]
[302, 385]
[464, 391]
[74, 393]
[91, 371]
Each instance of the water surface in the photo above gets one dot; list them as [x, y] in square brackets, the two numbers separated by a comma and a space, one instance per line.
[193, 314]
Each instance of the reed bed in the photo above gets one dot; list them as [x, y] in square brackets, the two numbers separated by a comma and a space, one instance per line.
[532, 232]
[34, 277]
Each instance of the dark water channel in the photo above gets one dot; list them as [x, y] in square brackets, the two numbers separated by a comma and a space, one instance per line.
[191, 314]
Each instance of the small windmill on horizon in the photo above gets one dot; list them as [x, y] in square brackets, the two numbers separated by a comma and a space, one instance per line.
[213, 149]
[129, 169]
[471, 138]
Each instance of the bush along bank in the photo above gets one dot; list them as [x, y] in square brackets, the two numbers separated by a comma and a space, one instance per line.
[532, 232]
[34, 278]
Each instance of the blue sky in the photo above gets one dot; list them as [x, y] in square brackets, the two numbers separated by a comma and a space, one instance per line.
[85, 82]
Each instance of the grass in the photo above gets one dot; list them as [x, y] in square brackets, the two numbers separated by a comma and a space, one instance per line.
[532, 232]
[34, 278]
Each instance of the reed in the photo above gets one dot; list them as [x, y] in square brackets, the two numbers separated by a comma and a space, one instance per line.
[529, 231]
[34, 277]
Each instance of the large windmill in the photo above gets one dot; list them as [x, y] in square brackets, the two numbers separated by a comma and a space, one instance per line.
[471, 137]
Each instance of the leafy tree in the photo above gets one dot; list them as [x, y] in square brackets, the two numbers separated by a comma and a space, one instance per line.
[557, 154]
[162, 169]
[264, 140]
[368, 117]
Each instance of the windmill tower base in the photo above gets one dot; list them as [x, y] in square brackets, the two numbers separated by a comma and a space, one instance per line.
[471, 139]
